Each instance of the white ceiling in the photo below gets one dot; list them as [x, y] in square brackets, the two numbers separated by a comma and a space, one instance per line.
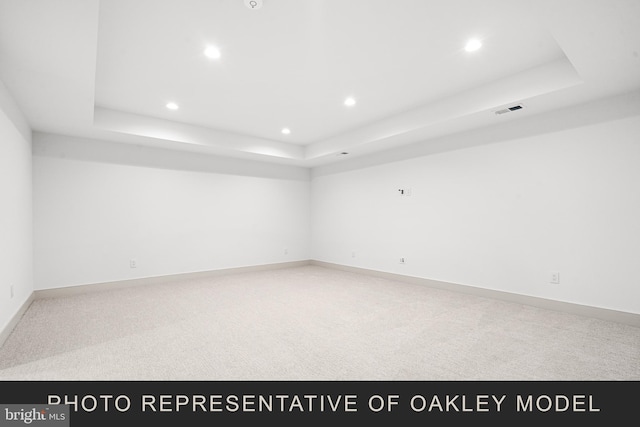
[106, 69]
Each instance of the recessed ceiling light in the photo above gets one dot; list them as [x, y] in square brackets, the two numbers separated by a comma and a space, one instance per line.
[350, 102]
[473, 45]
[286, 131]
[172, 106]
[212, 52]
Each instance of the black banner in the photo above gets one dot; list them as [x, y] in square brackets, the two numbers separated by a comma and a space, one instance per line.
[406, 403]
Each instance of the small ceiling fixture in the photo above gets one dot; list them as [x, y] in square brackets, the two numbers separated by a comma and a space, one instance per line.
[286, 131]
[473, 45]
[350, 102]
[253, 4]
[510, 109]
[172, 106]
[212, 52]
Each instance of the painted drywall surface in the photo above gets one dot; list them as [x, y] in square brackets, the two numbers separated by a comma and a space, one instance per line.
[92, 218]
[501, 216]
[16, 238]
[62, 146]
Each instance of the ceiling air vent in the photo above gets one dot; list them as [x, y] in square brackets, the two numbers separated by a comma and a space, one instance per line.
[510, 109]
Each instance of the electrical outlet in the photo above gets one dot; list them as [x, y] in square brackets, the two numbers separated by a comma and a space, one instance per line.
[11, 290]
[133, 263]
[402, 261]
[353, 254]
[286, 251]
[554, 277]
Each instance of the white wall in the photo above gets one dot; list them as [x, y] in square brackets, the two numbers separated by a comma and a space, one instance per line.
[500, 216]
[16, 243]
[169, 211]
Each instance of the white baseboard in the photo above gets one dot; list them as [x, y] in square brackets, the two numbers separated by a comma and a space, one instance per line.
[13, 321]
[632, 319]
[103, 286]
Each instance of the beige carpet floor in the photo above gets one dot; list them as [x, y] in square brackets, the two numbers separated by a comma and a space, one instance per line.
[309, 323]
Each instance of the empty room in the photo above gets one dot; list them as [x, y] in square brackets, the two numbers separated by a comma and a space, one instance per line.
[319, 190]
